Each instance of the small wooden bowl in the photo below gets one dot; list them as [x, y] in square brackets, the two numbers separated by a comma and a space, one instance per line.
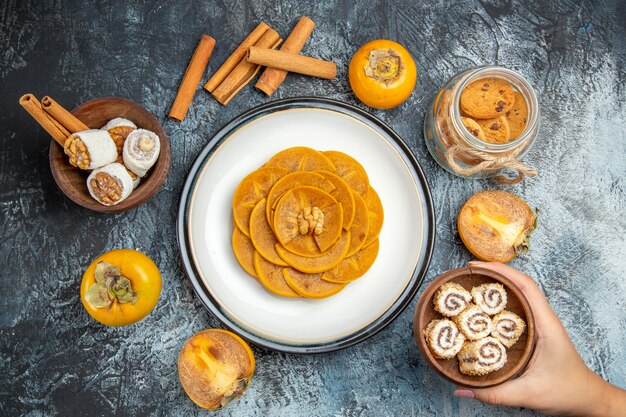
[518, 355]
[95, 114]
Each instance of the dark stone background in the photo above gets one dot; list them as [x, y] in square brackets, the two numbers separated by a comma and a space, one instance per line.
[56, 360]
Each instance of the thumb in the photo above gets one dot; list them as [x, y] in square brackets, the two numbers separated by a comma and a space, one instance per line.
[507, 394]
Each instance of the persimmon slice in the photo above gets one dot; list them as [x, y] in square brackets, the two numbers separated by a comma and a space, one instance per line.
[292, 180]
[353, 267]
[376, 215]
[322, 263]
[215, 367]
[310, 285]
[305, 216]
[343, 194]
[244, 251]
[496, 225]
[360, 226]
[262, 235]
[271, 277]
[301, 158]
[350, 170]
[252, 189]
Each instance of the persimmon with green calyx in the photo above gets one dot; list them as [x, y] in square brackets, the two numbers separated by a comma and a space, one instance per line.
[382, 74]
[215, 367]
[496, 225]
[120, 287]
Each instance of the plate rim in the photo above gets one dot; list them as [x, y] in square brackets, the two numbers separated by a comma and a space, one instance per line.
[417, 277]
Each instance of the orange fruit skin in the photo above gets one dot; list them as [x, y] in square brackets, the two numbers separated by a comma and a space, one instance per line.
[144, 277]
[207, 354]
[373, 92]
[518, 208]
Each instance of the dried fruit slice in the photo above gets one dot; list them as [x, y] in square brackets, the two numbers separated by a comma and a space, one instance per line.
[305, 216]
[301, 158]
[310, 285]
[353, 267]
[250, 191]
[262, 235]
[215, 367]
[244, 251]
[271, 277]
[376, 215]
[496, 225]
[350, 170]
[292, 180]
[324, 262]
[360, 226]
[343, 194]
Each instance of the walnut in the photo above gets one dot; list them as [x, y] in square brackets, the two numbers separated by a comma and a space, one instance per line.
[311, 219]
[106, 188]
[119, 134]
[77, 151]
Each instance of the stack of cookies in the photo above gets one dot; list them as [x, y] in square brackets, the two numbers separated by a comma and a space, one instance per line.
[493, 111]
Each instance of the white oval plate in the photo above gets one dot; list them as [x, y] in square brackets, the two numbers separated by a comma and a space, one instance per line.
[299, 325]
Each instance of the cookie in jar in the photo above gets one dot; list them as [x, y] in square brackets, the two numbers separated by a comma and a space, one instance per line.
[482, 123]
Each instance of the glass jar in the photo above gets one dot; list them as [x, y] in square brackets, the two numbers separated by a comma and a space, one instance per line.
[461, 153]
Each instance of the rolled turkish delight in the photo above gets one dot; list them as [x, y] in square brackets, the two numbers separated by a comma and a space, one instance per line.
[482, 356]
[508, 327]
[135, 177]
[141, 151]
[444, 338]
[491, 298]
[90, 149]
[111, 184]
[451, 298]
[119, 129]
[474, 323]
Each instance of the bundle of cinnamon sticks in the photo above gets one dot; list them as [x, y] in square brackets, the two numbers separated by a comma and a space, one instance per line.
[257, 49]
[53, 117]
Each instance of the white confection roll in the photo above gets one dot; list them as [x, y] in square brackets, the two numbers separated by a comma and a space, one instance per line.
[491, 298]
[119, 129]
[507, 328]
[482, 356]
[119, 121]
[111, 184]
[95, 145]
[444, 339]
[474, 323]
[451, 298]
[141, 151]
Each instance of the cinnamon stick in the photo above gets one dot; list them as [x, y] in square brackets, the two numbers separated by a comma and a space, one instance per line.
[243, 73]
[61, 115]
[234, 59]
[192, 77]
[292, 62]
[54, 128]
[272, 78]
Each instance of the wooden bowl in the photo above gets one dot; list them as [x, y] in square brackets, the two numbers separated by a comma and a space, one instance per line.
[518, 355]
[95, 114]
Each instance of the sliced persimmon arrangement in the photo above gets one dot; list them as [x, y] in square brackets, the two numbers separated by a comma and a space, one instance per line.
[307, 223]
[496, 225]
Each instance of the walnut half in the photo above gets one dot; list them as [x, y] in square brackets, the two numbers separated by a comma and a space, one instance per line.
[77, 151]
[106, 188]
[311, 219]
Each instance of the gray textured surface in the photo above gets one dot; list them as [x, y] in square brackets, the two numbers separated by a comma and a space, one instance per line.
[55, 360]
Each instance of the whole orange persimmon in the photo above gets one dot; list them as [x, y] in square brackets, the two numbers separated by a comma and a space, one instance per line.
[120, 287]
[382, 74]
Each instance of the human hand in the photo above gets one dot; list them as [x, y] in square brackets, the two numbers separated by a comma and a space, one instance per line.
[556, 381]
